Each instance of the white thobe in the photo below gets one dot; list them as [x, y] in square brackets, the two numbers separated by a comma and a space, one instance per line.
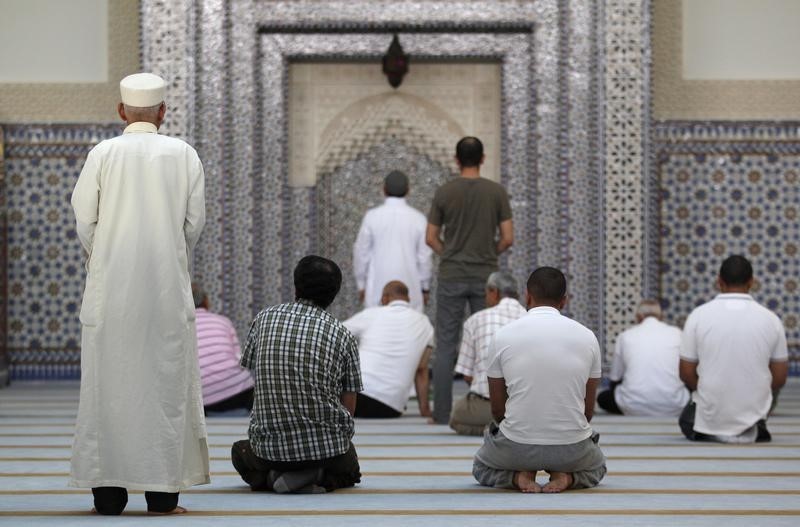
[139, 204]
[391, 246]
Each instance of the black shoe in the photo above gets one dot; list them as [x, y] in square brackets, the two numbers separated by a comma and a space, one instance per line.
[763, 435]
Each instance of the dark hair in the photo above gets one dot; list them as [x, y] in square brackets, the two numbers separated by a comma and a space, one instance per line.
[198, 294]
[395, 184]
[547, 284]
[317, 279]
[469, 152]
[736, 270]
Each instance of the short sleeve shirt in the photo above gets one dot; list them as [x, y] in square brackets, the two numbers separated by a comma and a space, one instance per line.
[470, 211]
[733, 339]
[302, 359]
[546, 359]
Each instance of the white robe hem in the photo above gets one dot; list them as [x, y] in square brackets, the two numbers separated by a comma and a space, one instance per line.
[151, 487]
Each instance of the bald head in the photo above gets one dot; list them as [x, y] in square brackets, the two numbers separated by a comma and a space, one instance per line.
[394, 290]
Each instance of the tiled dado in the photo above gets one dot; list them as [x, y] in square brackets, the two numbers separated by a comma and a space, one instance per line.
[729, 188]
[44, 275]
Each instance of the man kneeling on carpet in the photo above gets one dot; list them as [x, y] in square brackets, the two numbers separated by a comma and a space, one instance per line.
[394, 343]
[306, 369]
[734, 358]
[543, 372]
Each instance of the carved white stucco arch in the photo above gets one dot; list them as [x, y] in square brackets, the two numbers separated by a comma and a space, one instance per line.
[391, 115]
[338, 111]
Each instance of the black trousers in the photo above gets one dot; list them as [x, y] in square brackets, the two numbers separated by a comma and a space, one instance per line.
[606, 401]
[111, 501]
[686, 422]
[338, 472]
[240, 400]
[368, 407]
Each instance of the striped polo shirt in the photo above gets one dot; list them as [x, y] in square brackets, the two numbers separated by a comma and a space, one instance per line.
[219, 352]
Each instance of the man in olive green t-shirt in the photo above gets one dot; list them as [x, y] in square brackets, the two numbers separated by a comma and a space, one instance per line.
[470, 210]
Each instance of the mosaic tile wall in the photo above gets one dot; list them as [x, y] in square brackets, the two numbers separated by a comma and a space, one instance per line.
[45, 273]
[577, 141]
[260, 225]
[4, 359]
[345, 195]
[729, 188]
[626, 35]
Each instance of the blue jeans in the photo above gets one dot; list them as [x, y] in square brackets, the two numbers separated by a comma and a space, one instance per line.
[451, 298]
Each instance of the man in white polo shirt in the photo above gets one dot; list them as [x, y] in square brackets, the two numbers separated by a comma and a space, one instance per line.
[394, 347]
[733, 356]
[543, 371]
[473, 412]
[644, 374]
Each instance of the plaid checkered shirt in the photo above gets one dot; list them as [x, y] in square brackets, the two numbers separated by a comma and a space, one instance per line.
[302, 359]
[476, 337]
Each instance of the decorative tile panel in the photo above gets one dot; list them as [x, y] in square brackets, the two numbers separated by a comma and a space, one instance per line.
[729, 188]
[4, 359]
[168, 50]
[45, 268]
[581, 165]
[260, 225]
[345, 195]
[513, 46]
[227, 63]
[626, 114]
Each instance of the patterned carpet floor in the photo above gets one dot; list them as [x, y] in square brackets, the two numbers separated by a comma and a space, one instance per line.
[419, 474]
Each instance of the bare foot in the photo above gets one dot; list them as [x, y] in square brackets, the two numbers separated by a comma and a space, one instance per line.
[559, 481]
[525, 481]
[176, 510]
[430, 421]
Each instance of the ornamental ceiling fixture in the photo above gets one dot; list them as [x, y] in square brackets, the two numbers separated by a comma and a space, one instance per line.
[395, 63]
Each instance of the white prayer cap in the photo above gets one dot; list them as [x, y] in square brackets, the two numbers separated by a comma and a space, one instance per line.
[142, 90]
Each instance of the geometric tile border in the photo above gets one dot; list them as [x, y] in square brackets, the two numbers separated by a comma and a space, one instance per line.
[625, 131]
[4, 359]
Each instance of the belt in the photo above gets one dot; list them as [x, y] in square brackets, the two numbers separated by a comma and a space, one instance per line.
[479, 396]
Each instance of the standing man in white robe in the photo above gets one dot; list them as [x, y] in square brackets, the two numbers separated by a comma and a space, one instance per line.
[391, 247]
[139, 205]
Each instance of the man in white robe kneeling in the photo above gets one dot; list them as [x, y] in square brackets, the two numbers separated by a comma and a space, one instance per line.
[139, 204]
[543, 374]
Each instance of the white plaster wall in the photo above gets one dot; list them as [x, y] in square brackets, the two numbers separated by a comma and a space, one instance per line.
[53, 41]
[741, 39]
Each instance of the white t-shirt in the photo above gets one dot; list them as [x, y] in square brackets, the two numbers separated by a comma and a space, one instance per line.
[391, 341]
[646, 359]
[733, 339]
[546, 360]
